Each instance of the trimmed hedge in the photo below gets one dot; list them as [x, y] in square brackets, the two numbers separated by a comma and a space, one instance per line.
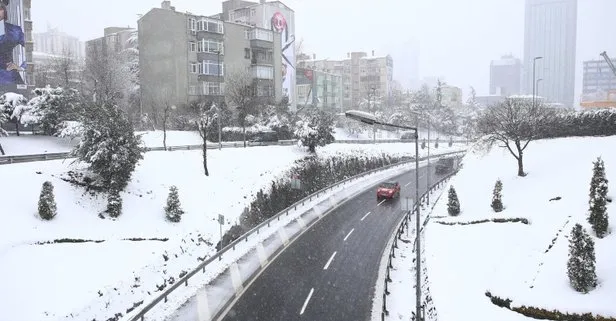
[600, 122]
[494, 220]
[315, 174]
[544, 314]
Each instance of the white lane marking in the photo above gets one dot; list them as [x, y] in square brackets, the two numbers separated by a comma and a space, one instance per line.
[261, 254]
[203, 307]
[306, 302]
[236, 277]
[383, 201]
[347, 236]
[329, 261]
[283, 236]
[365, 216]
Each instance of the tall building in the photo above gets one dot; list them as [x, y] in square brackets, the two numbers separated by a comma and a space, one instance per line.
[506, 76]
[56, 42]
[187, 56]
[279, 18]
[363, 76]
[550, 32]
[319, 89]
[18, 48]
[114, 40]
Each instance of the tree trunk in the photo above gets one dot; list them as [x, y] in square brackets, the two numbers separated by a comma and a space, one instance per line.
[2, 150]
[207, 173]
[17, 127]
[520, 160]
[244, 134]
[165, 134]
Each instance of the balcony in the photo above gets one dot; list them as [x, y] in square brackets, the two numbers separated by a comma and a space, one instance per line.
[260, 38]
[262, 72]
[262, 58]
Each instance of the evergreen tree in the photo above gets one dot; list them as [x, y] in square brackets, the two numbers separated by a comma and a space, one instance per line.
[453, 205]
[497, 197]
[316, 129]
[109, 145]
[47, 203]
[173, 210]
[114, 203]
[581, 263]
[598, 217]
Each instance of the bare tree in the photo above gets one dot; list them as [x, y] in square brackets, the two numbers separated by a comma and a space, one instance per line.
[240, 93]
[204, 119]
[65, 66]
[513, 124]
[109, 78]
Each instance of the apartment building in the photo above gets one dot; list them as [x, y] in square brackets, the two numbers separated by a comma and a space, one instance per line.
[55, 42]
[506, 76]
[188, 57]
[363, 76]
[114, 40]
[319, 89]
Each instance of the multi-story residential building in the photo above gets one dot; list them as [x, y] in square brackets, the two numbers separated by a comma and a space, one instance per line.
[278, 18]
[363, 76]
[451, 96]
[114, 40]
[56, 42]
[319, 89]
[19, 16]
[188, 57]
[550, 32]
[506, 76]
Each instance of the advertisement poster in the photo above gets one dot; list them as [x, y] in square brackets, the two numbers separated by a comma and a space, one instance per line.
[282, 21]
[12, 45]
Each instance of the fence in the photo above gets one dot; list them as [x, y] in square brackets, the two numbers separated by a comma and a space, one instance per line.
[63, 155]
[402, 226]
[255, 233]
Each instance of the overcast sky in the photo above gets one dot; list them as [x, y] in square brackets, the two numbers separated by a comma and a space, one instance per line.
[456, 38]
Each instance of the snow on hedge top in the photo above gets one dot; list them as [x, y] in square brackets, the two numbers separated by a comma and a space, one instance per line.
[510, 259]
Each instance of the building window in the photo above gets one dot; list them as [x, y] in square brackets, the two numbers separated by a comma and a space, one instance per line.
[263, 72]
[193, 46]
[192, 90]
[261, 34]
[213, 88]
[192, 24]
[247, 53]
[210, 67]
[210, 25]
[210, 46]
[247, 34]
[194, 67]
[253, 12]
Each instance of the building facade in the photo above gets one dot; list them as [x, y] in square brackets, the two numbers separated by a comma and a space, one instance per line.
[451, 96]
[506, 76]
[550, 32]
[319, 89]
[114, 40]
[56, 42]
[363, 76]
[598, 77]
[278, 18]
[188, 57]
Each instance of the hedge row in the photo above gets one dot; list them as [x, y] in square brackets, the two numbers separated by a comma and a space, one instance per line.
[494, 220]
[544, 314]
[314, 173]
[600, 122]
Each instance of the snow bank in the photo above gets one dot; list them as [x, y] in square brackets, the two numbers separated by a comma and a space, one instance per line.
[516, 260]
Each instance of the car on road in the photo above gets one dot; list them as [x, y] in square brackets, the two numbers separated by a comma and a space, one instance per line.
[388, 190]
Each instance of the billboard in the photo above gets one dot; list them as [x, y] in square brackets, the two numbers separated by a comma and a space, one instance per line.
[12, 45]
[281, 19]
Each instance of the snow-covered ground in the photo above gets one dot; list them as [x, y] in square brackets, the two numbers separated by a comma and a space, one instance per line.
[344, 134]
[27, 144]
[522, 262]
[45, 282]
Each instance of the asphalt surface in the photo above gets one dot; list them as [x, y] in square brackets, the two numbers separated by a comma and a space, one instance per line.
[307, 281]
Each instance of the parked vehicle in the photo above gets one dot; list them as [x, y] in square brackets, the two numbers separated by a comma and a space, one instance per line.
[388, 190]
[446, 165]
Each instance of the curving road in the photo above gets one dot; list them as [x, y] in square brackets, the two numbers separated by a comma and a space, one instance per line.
[330, 271]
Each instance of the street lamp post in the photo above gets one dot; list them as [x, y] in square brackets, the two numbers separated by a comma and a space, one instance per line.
[534, 63]
[370, 119]
[537, 86]
[219, 107]
[428, 173]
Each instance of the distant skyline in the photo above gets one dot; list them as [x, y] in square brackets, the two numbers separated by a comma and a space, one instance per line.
[457, 39]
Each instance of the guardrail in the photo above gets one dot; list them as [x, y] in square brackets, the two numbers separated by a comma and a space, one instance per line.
[63, 155]
[140, 316]
[402, 226]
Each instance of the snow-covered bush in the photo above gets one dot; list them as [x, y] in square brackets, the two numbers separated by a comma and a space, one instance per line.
[47, 202]
[598, 217]
[14, 108]
[51, 107]
[109, 145]
[497, 197]
[173, 209]
[453, 204]
[316, 129]
[581, 263]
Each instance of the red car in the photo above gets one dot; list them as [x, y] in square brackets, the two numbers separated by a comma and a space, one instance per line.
[388, 190]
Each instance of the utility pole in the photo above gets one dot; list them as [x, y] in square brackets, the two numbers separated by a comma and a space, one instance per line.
[534, 63]
[219, 111]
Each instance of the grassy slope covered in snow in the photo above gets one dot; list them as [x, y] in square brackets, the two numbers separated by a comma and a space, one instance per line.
[516, 260]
